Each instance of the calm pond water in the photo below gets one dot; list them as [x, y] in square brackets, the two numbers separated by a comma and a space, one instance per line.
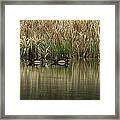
[79, 81]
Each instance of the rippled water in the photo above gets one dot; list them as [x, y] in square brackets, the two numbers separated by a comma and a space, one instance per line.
[79, 81]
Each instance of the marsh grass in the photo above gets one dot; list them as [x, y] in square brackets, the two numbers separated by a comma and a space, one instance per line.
[59, 39]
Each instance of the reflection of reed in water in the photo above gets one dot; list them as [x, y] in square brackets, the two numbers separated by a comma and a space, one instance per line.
[78, 81]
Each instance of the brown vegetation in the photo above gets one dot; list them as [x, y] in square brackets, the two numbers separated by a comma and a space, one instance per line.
[49, 39]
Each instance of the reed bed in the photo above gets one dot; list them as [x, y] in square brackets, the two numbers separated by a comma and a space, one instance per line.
[51, 39]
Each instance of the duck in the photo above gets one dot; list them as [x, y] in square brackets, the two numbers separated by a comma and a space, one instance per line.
[37, 62]
[61, 62]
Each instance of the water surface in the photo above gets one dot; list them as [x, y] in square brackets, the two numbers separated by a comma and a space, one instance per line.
[79, 81]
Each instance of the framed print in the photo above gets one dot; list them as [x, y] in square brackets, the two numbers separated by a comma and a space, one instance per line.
[60, 59]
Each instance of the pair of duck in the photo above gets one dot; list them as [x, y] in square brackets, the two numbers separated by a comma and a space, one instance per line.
[59, 62]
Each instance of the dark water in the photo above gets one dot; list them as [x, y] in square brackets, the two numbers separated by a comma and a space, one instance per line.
[79, 81]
